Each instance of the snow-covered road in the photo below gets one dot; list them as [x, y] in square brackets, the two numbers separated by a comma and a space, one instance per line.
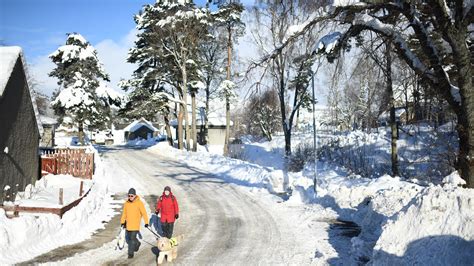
[222, 223]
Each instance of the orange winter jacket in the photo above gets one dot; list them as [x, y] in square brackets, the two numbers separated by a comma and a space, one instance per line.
[132, 213]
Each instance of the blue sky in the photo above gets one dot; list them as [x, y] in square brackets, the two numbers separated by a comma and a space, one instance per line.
[40, 27]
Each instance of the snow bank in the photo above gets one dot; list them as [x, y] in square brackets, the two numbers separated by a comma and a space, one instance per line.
[30, 235]
[232, 170]
[397, 217]
[45, 192]
[437, 228]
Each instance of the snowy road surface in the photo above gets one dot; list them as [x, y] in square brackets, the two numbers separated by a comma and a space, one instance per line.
[222, 223]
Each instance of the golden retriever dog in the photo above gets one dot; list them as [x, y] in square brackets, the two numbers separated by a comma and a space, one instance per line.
[168, 248]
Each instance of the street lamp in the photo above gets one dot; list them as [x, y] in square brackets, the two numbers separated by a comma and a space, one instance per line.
[315, 177]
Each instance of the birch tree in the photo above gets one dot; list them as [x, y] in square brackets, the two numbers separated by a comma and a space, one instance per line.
[434, 40]
[290, 68]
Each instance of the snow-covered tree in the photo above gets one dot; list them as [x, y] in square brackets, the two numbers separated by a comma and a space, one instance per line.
[262, 115]
[83, 94]
[434, 38]
[228, 16]
[213, 54]
[290, 68]
[168, 47]
[147, 102]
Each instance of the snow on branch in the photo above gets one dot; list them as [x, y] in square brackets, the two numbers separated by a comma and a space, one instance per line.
[371, 23]
[227, 89]
[108, 94]
[167, 97]
[328, 42]
[197, 84]
[294, 33]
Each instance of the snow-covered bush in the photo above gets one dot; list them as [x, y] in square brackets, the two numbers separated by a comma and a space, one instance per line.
[303, 153]
[426, 154]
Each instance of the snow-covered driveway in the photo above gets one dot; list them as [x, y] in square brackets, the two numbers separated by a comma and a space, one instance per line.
[222, 223]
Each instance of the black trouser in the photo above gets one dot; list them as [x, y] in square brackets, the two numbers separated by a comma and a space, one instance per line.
[167, 229]
[133, 242]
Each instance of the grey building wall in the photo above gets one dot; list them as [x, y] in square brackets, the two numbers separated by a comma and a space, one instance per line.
[216, 136]
[19, 132]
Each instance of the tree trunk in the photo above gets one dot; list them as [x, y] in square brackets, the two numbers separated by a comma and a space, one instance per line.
[227, 100]
[206, 114]
[284, 122]
[393, 122]
[465, 112]
[266, 133]
[465, 161]
[81, 133]
[193, 123]
[180, 127]
[185, 106]
[169, 136]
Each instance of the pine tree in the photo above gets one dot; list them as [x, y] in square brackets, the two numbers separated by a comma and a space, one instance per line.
[228, 16]
[83, 94]
[167, 50]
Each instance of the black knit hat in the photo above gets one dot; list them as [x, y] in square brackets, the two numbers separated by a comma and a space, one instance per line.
[132, 191]
[167, 188]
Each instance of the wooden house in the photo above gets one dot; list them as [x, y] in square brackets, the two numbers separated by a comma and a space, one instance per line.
[20, 129]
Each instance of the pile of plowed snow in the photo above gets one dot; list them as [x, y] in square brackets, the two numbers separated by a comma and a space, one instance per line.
[436, 229]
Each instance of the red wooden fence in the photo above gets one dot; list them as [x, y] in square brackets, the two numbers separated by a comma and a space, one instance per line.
[76, 162]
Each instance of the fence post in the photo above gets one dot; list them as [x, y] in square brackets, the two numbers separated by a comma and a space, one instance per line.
[61, 196]
[80, 188]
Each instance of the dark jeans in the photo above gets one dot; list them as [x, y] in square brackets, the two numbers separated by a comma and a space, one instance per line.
[133, 243]
[167, 229]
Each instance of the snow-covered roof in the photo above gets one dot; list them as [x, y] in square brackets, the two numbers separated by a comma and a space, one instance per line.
[46, 120]
[213, 120]
[8, 57]
[135, 125]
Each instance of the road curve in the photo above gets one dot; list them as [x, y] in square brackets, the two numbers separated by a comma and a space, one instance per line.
[221, 223]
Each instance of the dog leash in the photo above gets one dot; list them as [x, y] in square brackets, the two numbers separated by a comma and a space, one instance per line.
[156, 234]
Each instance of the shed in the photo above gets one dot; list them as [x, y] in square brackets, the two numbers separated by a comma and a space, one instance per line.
[49, 131]
[216, 130]
[20, 128]
[140, 128]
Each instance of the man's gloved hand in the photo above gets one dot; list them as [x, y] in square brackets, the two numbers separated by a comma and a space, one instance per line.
[123, 225]
[176, 216]
[146, 225]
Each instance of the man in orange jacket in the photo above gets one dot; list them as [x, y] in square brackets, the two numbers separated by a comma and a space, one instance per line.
[133, 211]
[168, 206]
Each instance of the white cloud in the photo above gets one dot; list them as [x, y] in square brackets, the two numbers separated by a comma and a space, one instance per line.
[114, 57]
[39, 69]
[111, 53]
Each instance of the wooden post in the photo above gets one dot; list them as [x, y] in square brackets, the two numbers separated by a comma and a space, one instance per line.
[61, 196]
[80, 188]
